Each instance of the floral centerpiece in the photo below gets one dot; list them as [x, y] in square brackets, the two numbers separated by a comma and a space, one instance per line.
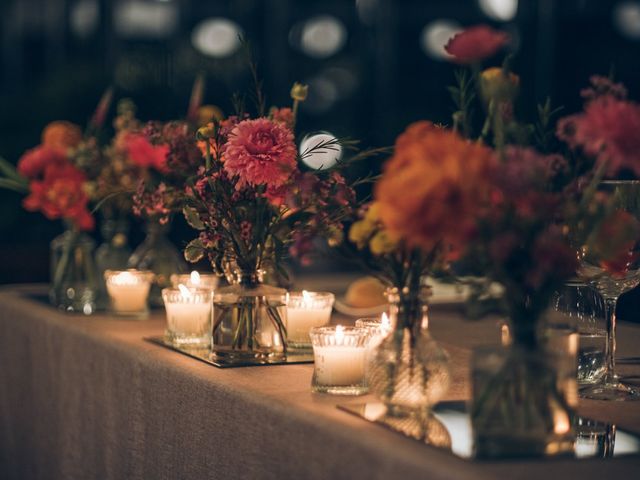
[153, 161]
[253, 201]
[60, 186]
[505, 210]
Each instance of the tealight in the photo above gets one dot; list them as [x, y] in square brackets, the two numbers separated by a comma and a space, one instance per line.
[339, 360]
[306, 310]
[195, 279]
[188, 316]
[378, 328]
[128, 291]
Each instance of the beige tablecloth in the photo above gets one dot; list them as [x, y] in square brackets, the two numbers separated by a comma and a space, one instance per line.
[86, 397]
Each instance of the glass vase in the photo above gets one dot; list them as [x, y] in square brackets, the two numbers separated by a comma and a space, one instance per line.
[158, 255]
[113, 253]
[249, 319]
[524, 395]
[75, 284]
[408, 370]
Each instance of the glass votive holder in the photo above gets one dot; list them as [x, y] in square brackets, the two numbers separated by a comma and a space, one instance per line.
[306, 310]
[128, 291]
[195, 280]
[188, 316]
[339, 360]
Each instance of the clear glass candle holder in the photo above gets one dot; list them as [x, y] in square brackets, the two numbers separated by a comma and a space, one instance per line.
[339, 360]
[306, 310]
[196, 280]
[378, 328]
[189, 320]
[128, 291]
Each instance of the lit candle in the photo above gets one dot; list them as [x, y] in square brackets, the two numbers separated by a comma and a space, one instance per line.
[339, 359]
[188, 315]
[195, 279]
[306, 310]
[128, 291]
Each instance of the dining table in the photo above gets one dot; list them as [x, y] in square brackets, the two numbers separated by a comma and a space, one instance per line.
[88, 396]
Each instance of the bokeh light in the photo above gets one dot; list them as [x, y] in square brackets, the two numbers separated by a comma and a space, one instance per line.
[626, 17]
[318, 156]
[435, 36]
[216, 37]
[502, 10]
[319, 37]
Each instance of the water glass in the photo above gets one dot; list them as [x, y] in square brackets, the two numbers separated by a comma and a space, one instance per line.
[582, 308]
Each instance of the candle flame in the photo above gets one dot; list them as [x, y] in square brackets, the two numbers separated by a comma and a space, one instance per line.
[385, 323]
[195, 278]
[307, 299]
[125, 278]
[339, 334]
[184, 291]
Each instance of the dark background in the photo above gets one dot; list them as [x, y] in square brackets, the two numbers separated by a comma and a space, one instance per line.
[369, 63]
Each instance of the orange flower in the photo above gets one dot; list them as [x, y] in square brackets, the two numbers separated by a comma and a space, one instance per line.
[61, 135]
[434, 187]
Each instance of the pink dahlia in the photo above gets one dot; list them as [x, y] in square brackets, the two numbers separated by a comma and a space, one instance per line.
[475, 44]
[260, 152]
[608, 130]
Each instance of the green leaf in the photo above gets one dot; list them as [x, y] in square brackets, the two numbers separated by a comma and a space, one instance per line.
[192, 217]
[194, 251]
[9, 171]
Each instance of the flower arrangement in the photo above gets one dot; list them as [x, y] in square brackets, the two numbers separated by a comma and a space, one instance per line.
[511, 212]
[255, 200]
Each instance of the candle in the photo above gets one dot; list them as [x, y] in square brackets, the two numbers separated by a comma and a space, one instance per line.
[378, 328]
[128, 291]
[306, 310]
[195, 279]
[188, 315]
[339, 360]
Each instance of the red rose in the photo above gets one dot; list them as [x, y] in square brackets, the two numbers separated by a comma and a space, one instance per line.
[475, 44]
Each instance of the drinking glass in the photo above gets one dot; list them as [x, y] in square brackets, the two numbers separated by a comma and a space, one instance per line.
[626, 196]
[581, 309]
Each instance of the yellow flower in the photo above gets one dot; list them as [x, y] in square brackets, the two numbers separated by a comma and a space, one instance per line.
[382, 243]
[499, 86]
[208, 113]
[299, 92]
[361, 231]
[373, 213]
[207, 131]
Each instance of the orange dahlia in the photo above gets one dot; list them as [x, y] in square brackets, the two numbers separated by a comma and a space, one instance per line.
[61, 135]
[434, 187]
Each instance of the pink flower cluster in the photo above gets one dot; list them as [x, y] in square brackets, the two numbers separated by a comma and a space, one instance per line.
[607, 130]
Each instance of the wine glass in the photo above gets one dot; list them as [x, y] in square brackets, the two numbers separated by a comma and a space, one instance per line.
[626, 196]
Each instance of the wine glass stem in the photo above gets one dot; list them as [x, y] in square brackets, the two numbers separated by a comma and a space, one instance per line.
[610, 311]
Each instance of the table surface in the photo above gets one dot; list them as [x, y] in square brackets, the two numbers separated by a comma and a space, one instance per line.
[87, 397]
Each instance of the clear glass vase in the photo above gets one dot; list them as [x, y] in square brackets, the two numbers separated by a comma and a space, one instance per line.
[114, 251]
[158, 255]
[524, 395]
[408, 370]
[75, 283]
[249, 319]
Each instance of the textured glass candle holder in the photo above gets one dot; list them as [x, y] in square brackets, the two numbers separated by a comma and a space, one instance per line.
[128, 292]
[195, 280]
[188, 316]
[378, 328]
[339, 360]
[306, 310]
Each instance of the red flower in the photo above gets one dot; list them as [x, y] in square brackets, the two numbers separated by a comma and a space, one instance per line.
[260, 152]
[60, 194]
[33, 162]
[144, 154]
[475, 44]
[283, 115]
